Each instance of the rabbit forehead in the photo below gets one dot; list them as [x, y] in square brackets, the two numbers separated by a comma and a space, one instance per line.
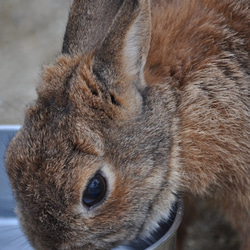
[66, 104]
[41, 161]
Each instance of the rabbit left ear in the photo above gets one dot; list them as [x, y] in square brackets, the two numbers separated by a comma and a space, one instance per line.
[124, 50]
[88, 23]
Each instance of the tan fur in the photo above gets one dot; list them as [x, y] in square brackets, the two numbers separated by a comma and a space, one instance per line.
[180, 124]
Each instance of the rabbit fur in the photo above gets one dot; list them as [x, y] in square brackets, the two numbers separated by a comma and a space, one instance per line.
[153, 95]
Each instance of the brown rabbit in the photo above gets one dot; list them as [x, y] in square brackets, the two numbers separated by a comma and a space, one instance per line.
[151, 102]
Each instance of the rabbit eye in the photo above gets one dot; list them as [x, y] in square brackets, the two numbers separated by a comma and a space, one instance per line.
[95, 191]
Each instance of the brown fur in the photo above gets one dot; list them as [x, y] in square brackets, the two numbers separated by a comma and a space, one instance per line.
[181, 125]
[206, 57]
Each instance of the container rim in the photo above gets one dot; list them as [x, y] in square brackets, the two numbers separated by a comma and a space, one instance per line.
[164, 234]
[174, 227]
[9, 127]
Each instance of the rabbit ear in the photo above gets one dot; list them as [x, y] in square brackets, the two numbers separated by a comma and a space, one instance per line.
[125, 48]
[88, 24]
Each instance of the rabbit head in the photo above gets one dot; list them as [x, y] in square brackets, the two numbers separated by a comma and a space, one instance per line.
[90, 168]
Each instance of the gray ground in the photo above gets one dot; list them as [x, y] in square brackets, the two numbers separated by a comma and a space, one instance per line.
[31, 33]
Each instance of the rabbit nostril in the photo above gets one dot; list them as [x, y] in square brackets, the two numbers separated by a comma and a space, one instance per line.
[95, 191]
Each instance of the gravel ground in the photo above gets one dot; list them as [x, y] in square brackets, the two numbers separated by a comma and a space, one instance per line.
[31, 35]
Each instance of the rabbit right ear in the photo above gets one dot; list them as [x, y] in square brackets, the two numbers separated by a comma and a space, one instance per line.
[116, 33]
[88, 23]
[120, 60]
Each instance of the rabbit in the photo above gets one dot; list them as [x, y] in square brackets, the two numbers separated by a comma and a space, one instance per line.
[146, 105]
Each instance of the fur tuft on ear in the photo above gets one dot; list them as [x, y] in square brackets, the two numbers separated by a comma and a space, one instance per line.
[136, 44]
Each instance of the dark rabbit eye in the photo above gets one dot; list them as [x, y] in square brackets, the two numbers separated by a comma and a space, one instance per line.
[95, 191]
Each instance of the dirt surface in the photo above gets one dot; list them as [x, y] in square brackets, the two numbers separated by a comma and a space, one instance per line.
[31, 35]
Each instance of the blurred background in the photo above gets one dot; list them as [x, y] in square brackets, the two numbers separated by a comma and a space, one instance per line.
[31, 33]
